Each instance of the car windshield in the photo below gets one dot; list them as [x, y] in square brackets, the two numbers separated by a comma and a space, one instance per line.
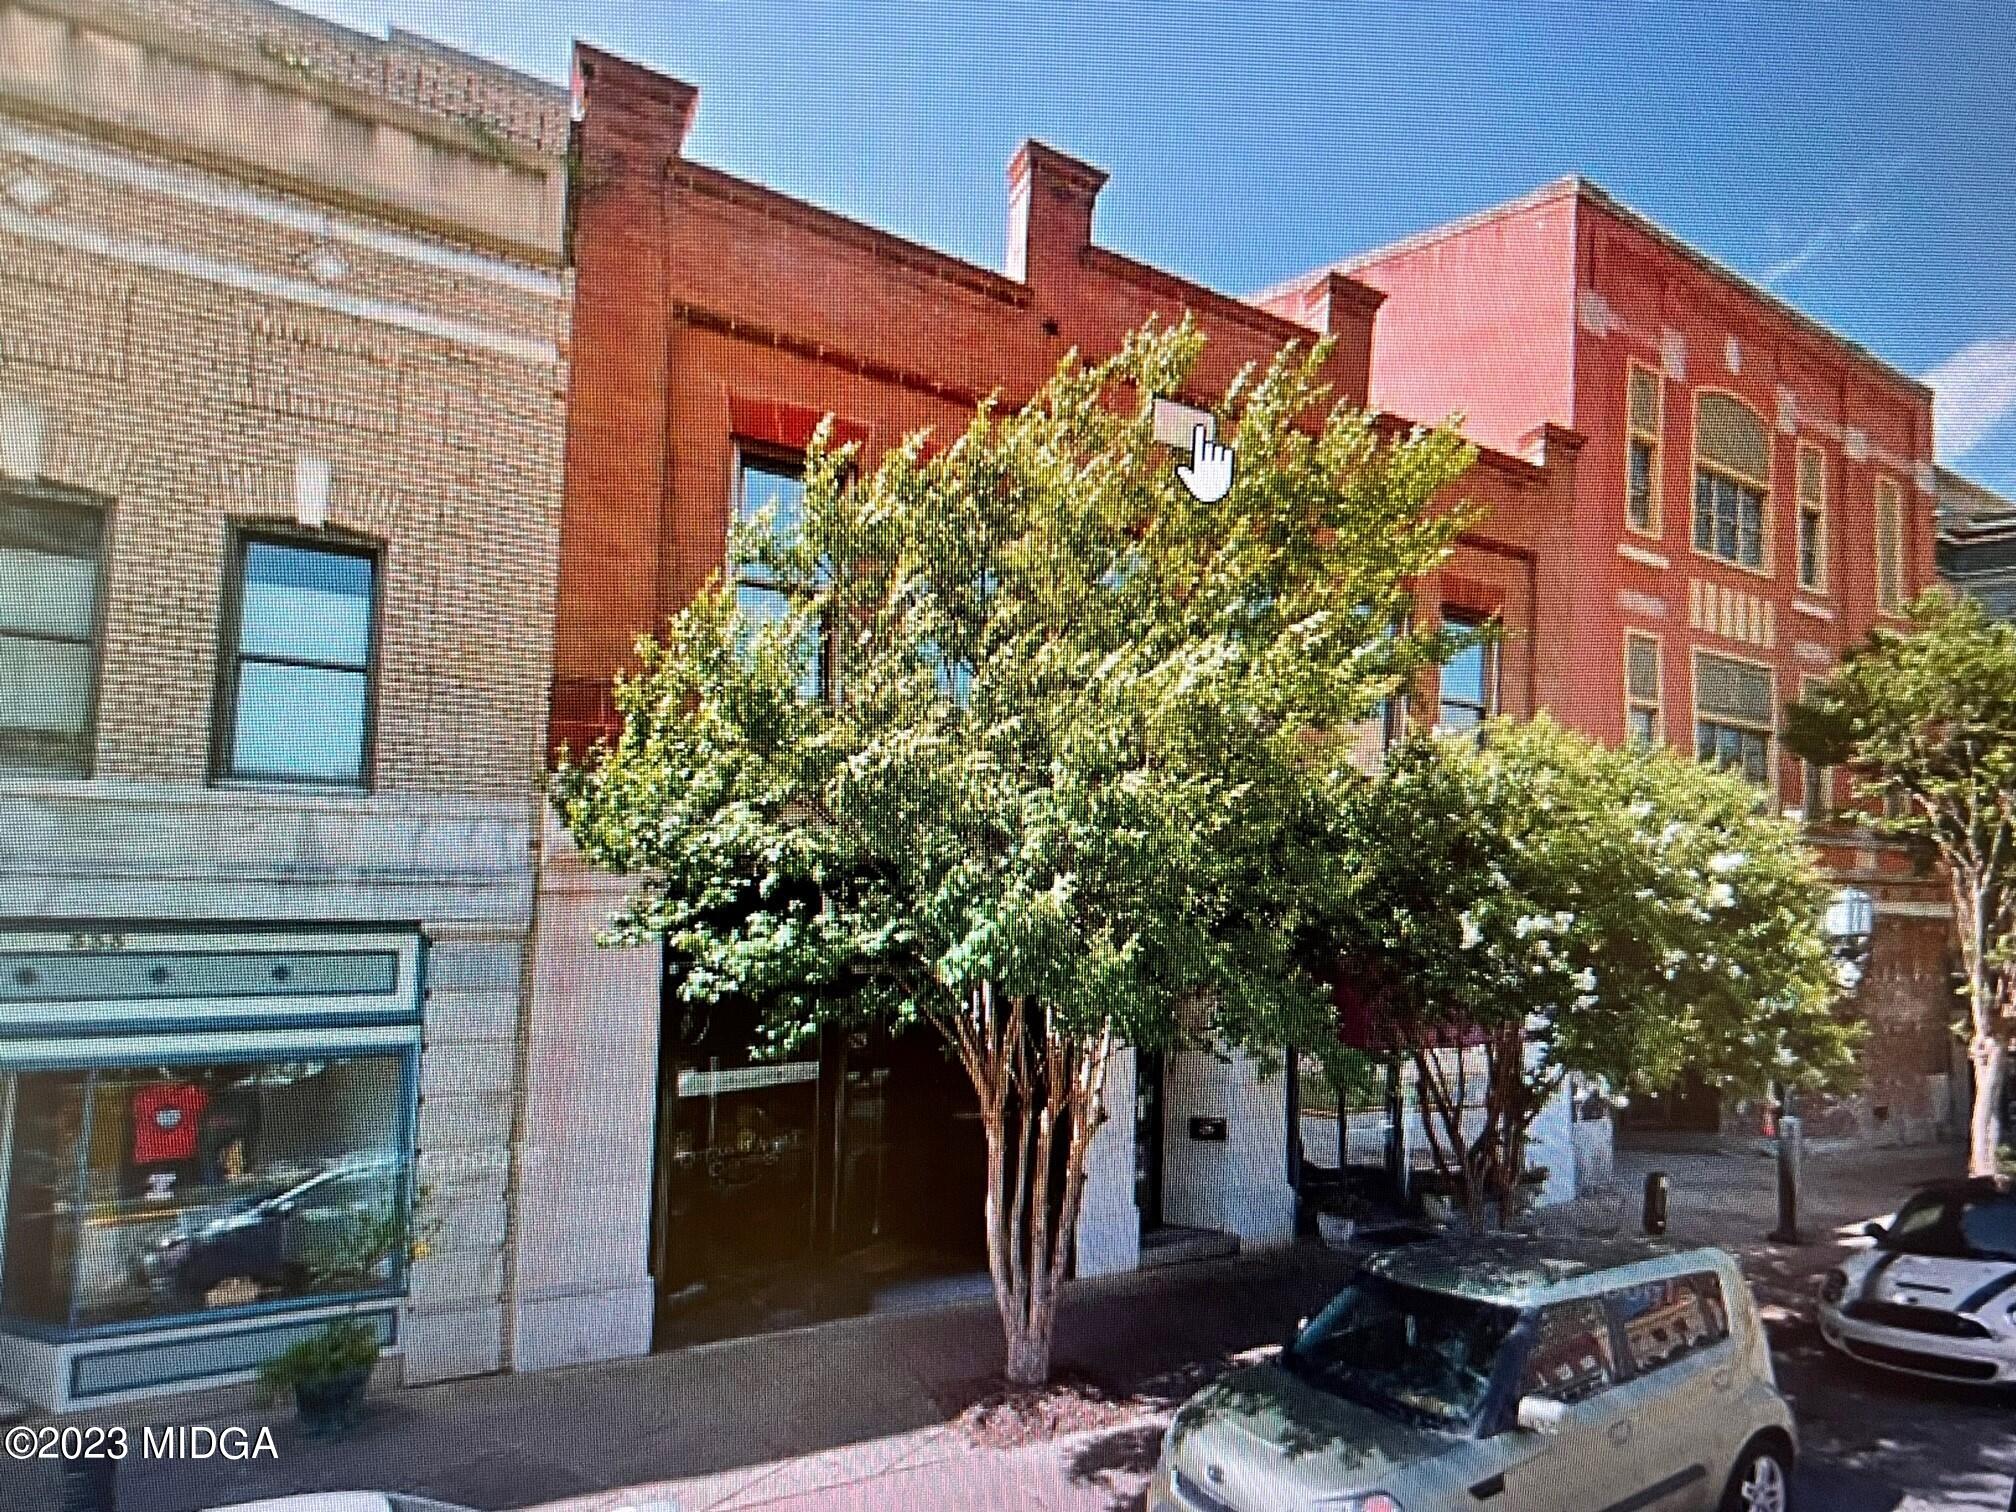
[1421, 1355]
[1956, 1226]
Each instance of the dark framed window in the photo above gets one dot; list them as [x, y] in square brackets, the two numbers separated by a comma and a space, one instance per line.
[1641, 469]
[1812, 519]
[1728, 518]
[776, 482]
[1732, 470]
[52, 582]
[1467, 694]
[298, 691]
[1734, 703]
[1642, 689]
[1816, 782]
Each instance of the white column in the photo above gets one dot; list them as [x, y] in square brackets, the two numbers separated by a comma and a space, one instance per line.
[1237, 1185]
[581, 1240]
[1109, 1224]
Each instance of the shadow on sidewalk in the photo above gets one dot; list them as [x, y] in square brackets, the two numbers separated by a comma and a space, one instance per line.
[737, 1411]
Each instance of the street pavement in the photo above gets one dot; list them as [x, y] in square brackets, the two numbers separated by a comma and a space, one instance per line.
[854, 1415]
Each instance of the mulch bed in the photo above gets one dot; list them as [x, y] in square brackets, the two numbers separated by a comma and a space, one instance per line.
[1000, 1416]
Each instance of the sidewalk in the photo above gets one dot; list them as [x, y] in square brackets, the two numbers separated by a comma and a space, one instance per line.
[854, 1414]
[766, 1421]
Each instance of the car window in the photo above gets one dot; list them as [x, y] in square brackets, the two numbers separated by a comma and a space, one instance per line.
[1572, 1357]
[1956, 1226]
[1671, 1318]
[1413, 1353]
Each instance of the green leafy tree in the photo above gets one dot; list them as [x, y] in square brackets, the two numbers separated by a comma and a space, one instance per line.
[1074, 787]
[1927, 721]
[1560, 908]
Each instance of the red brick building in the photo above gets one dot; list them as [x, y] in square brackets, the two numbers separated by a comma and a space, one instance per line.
[1755, 492]
[717, 321]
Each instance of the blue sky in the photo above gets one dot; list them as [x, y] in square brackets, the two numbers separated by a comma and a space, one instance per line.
[1859, 158]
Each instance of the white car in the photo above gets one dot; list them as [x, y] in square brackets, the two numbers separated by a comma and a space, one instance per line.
[1936, 1296]
[345, 1501]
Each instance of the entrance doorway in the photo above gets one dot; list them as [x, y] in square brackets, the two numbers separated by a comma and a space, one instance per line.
[788, 1191]
[1148, 1137]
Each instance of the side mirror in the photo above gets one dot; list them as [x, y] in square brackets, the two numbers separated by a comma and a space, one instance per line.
[1543, 1415]
[1873, 1231]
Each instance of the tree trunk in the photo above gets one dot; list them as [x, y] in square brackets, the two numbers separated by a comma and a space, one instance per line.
[1984, 1135]
[1974, 909]
[1035, 1087]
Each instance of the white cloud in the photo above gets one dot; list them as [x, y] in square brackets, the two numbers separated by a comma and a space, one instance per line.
[1792, 262]
[1973, 392]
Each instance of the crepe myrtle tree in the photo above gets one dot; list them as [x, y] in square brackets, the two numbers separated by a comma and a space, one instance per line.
[1074, 784]
[1525, 905]
[1926, 719]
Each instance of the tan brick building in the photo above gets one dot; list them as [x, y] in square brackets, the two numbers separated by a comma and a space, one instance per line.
[283, 316]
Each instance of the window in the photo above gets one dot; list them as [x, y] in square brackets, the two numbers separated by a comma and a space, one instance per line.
[1641, 466]
[1889, 548]
[1956, 1225]
[1572, 1356]
[137, 1193]
[1641, 689]
[1405, 1351]
[778, 485]
[1817, 782]
[1392, 712]
[1732, 471]
[1468, 692]
[1665, 1321]
[1734, 705]
[297, 692]
[51, 582]
[1812, 519]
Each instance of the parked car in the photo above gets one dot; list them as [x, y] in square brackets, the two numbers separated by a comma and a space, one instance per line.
[1524, 1375]
[345, 1501]
[274, 1238]
[1936, 1296]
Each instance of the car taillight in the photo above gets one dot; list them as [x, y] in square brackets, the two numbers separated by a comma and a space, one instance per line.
[1834, 1286]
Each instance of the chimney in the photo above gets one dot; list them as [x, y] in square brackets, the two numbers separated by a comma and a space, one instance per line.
[1050, 198]
[629, 110]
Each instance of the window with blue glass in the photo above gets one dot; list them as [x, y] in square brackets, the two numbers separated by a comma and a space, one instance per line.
[1468, 692]
[297, 696]
[778, 485]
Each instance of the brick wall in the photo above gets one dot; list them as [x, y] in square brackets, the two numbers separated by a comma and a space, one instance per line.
[707, 302]
[183, 342]
[178, 329]
[402, 67]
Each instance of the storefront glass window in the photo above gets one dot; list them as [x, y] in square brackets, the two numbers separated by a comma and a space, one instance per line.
[156, 1192]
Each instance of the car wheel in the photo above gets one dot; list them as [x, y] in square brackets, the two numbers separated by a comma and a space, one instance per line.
[1761, 1481]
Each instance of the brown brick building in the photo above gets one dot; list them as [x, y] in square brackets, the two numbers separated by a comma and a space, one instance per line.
[716, 322]
[282, 372]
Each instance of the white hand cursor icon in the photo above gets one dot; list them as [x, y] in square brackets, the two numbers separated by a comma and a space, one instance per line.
[1209, 475]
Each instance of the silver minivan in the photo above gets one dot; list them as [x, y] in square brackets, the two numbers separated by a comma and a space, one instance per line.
[1508, 1375]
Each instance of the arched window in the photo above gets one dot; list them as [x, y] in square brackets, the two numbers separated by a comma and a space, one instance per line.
[1732, 481]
